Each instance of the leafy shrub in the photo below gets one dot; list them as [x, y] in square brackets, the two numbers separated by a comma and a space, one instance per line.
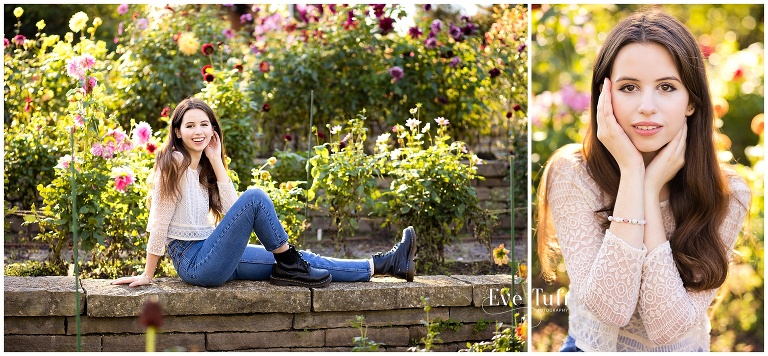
[431, 187]
[287, 198]
[290, 166]
[347, 177]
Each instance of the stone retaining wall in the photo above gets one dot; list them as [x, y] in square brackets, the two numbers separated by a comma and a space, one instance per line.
[252, 316]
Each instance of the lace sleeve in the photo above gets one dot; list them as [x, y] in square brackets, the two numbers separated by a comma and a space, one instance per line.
[667, 309]
[160, 214]
[228, 195]
[604, 270]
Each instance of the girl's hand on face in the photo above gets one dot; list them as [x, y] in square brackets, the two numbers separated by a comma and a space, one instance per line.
[610, 133]
[667, 162]
[213, 150]
[133, 281]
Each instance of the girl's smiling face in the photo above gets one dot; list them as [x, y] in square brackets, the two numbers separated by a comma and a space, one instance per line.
[196, 131]
[649, 99]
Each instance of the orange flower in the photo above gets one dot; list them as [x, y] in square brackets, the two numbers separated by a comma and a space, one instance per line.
[521, 330]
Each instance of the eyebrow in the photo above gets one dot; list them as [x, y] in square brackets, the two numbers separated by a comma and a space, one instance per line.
[202, 122]
[658, 80]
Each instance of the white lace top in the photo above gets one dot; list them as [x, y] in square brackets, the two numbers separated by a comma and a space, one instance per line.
[186, 218]
[622, 298]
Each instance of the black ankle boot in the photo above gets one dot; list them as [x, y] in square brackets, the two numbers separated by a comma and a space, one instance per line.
[398, 262]
[290, 269]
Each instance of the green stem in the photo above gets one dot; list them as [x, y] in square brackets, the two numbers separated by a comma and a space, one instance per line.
[511, 206]
[74, 237]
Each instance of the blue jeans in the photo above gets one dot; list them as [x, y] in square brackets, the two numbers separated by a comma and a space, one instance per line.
[569, 345]
[226, 255]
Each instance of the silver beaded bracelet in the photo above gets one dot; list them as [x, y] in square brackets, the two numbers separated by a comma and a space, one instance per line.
[628, 221]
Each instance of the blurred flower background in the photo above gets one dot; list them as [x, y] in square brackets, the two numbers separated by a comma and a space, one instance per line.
[565, 41]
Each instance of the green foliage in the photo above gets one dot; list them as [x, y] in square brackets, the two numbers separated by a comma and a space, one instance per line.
[362, 342]
[431, 187]
[31, 152]
[151, 72]
[450, 324]
[36, 269]
[35, 75]
[56, 18]
[433, 330]
[350, 60]
[481, 325]
[290, 166]
[347, 178]
[288, 200]
[35, 99]
[504, 340]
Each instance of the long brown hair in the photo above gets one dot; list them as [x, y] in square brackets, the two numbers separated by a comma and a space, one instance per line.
[171, 169]
[698, 192]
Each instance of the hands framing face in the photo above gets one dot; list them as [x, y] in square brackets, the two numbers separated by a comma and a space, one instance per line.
[665, 164]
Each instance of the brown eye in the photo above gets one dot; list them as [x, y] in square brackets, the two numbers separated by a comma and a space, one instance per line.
[667, 88]
[628, 88]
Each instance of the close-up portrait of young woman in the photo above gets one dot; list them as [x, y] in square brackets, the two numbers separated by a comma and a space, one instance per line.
[647, 171]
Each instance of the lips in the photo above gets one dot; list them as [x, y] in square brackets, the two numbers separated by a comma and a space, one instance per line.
[646, 128]
[198, 139]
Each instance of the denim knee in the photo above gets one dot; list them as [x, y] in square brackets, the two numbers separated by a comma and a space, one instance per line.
[256, 195]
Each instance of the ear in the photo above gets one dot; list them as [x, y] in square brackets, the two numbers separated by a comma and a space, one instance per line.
[690, 110]
[178, 133]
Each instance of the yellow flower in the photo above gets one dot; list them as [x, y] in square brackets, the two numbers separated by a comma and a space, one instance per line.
[69, 37]
[18, 12]
[188, 43]
[97, 22]
[264, 175]
[40, 25]
[78, 22]
[500, 255]
[47, 96]
[272, 161]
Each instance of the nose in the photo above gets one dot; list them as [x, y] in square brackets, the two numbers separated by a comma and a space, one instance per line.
[647, 104]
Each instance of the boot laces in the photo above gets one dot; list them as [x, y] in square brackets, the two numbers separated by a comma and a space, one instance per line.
[302, 261]
[390, 252]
